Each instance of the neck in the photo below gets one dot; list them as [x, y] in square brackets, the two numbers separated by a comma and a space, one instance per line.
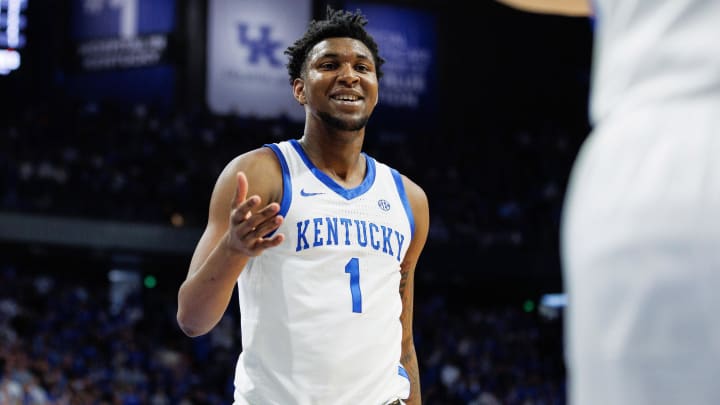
[337, 156]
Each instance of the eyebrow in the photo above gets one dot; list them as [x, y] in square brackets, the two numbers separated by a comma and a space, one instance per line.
[336, 55]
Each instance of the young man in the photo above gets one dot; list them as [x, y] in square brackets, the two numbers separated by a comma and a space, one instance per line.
[641, 224]
[322, 241]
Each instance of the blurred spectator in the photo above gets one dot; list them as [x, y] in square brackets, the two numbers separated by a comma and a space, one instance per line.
[61, 344]
[140, 164]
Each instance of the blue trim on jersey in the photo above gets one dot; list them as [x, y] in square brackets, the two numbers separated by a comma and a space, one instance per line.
[287, 184]
[346, 193]
[402, 372]
[404, 198]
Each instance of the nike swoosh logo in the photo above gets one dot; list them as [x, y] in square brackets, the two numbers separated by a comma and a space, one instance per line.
[306, 194]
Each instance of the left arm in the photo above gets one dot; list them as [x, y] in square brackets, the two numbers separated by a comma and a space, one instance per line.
[569, 8]
[419, 204]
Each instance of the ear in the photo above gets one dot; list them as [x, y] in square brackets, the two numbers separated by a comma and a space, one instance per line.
[299, 91]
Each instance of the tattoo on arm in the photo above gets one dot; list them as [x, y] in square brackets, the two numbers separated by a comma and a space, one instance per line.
[409, 361]
[403, 281]
[409, 358]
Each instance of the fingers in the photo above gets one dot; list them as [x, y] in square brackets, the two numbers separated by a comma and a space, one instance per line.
[265, 243]
[263, 222]
[241, 205]
[259, 244]
[249, 228]
[241, 190]
[243, 213]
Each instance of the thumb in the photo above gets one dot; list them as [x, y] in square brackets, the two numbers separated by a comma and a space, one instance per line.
[241, 190]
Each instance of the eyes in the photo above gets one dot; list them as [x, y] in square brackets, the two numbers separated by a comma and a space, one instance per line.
[329, 66]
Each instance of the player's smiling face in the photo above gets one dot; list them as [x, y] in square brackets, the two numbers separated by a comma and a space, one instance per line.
[339, 83]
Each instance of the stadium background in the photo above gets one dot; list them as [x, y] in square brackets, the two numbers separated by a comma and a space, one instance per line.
[107, 167]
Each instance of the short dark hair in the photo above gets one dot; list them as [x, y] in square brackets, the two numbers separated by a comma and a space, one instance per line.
[337, 24]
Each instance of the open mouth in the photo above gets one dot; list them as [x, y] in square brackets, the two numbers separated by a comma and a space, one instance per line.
[346, 98]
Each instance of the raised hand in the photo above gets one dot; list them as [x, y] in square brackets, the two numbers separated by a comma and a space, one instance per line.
[249, 230]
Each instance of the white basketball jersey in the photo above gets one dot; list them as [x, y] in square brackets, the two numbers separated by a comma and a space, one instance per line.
[320, 313]
[651, 51]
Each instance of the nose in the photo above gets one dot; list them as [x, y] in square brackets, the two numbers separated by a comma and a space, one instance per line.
[347, 74]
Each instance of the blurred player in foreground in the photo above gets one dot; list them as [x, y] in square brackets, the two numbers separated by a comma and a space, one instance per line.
[641, 223]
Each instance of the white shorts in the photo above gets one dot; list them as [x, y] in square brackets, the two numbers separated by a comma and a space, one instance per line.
[641, 261]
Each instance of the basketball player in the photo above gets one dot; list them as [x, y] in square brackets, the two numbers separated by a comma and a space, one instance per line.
[322, 241]
[641, 224]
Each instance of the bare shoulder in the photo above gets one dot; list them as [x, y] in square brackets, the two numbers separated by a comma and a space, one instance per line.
[415, 193]
[262, 169]
[258, 159]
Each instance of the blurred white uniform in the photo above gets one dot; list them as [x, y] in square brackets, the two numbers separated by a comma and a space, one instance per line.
[641, 228]
[320, 313]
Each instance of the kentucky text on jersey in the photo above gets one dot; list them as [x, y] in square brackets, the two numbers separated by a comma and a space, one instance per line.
[316, 232]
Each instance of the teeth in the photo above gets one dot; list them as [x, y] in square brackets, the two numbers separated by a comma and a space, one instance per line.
[346, 98]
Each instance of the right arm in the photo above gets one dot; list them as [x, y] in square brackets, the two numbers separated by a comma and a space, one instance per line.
[234, 233]
[570, 8]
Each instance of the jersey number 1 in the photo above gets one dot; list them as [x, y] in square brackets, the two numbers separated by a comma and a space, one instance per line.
[353, 268]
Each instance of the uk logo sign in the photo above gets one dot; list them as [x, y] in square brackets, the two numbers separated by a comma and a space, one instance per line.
[261, 46]
[246, 72]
